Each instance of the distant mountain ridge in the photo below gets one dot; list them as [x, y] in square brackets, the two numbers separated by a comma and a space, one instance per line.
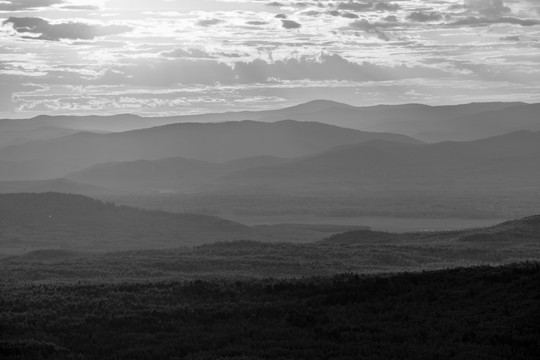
[214, 142]
[509, 160]
[428, 123]
[165, 174]
[525, 231]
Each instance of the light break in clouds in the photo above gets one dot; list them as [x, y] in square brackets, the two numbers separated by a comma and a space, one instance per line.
[161, 57]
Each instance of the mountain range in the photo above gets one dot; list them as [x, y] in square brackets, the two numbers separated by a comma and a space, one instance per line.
[509, 161]
[52, 220]
[207, 142]
[428, 123]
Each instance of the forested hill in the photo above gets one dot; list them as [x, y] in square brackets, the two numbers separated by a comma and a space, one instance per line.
[461, 314]
[55, 220]
[525, 231]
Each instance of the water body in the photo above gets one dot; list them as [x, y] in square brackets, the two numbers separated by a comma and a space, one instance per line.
[391, 224]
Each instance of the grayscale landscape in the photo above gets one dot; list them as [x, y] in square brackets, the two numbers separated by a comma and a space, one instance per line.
[260, 180]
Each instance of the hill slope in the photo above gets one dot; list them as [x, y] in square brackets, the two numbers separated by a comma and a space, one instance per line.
[429, 123]
[509, 160]
[178, 174]
[207, 142]
[477, 313]
[54, 185]
[521, 232]
[54, 220]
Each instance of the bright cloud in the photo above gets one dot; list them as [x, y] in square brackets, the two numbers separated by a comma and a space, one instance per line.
[162, 56]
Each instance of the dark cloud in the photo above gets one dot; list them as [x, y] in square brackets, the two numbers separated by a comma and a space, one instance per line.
[20, 5]
[55, 32]
[369, 28]
[289, 24]
[275, 4]
[367, 6]
[209, 22]
[280, 16]
[490, 8]
[510, 38]
[347, 15]
[385, 6]
[420, 16]
[257, 22]
[481, 21]
[80, 7]
[391, 18]
[191, 53]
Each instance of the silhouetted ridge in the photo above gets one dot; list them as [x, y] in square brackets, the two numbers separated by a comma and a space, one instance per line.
[213, 142]
[55, 220]
[525, 230]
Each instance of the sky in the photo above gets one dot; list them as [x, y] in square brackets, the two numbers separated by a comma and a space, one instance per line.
[168, 57]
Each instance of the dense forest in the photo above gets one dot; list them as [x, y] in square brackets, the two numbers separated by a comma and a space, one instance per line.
[362, 251]
[474, 313]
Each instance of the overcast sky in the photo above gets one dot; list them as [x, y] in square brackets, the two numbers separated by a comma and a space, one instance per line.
[161, 57]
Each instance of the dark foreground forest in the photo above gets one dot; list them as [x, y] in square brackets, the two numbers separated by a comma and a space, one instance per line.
[467, 313]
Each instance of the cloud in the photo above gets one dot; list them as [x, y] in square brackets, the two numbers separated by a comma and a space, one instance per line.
[326, 67]
[289, 24]
[256, 22]
[191, 53]
[482, 21]
[490, 8]
[510, 38]
[347, 15]
[55, 32]
[369, 28]
[209, 22]
[80, 7]
[367, 6]
[420, 16]
[21, 5]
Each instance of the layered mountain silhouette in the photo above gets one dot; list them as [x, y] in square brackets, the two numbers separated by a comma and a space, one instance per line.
[65, 221]
[208, 142]
[166, 174]
[55, 185]
[19, 136]
[428, 123]
[521, 232]
[510, 161]
[51, 220]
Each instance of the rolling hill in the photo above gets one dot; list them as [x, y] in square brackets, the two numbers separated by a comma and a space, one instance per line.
[175, 174]
[78, 223]
[429, 123]
[359, 250]
[523, 232]
[54, 185]
[63, 221]
[207, 142]
[509, 160]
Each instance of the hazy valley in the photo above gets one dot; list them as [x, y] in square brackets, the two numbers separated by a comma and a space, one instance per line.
[238, 225]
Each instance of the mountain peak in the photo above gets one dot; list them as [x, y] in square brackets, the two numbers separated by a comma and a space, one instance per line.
[317, 105]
